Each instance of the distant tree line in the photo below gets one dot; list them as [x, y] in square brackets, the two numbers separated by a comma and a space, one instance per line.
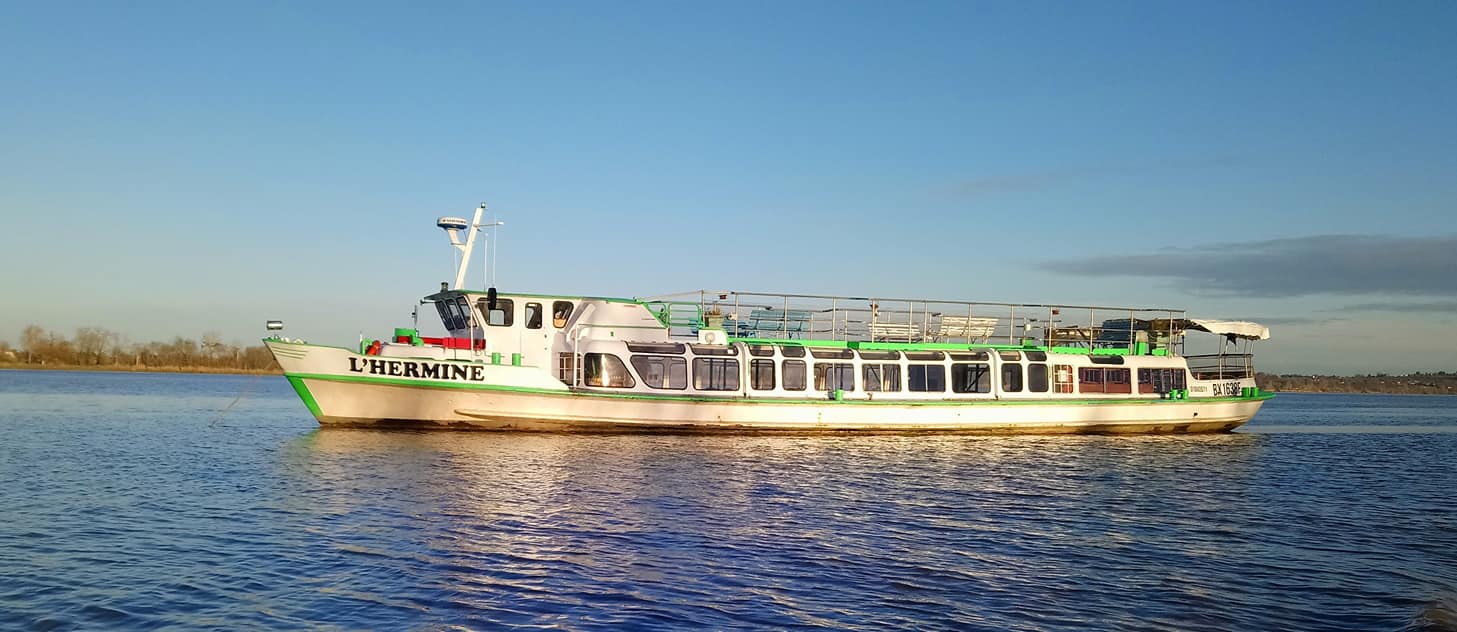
[96, 347]
[1436, 383]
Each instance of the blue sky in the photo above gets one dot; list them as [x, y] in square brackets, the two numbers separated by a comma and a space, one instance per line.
[174, 168]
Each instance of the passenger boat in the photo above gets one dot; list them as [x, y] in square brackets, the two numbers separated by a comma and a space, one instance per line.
[735, 361]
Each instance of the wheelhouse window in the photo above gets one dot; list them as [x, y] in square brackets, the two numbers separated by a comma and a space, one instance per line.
[502, 315]
[881, 377]
[605, 369]
[971, 377]
[716, 374]
[761, 374]
[665, 372]
[533, 315]
[561, 311]
[830, 376]
[462, 305]
[927, 378]
[794, 370]
[449, 315]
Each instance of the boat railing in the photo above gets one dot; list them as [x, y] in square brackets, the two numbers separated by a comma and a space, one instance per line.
[759, 315]
[1222, 366]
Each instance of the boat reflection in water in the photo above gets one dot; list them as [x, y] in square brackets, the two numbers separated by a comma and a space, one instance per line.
[654, 521]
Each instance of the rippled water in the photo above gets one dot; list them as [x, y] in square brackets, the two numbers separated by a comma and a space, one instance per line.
[134, 501]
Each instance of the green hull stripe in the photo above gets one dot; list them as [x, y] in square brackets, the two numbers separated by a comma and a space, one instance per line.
[744, 400]
[304, 394]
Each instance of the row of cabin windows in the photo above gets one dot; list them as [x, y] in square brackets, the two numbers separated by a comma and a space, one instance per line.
[1105, 380]
[456, 314]
[722, 374]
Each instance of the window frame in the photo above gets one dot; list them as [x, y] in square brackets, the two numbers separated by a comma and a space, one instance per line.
[671, 367]
[603, 370]
[925, 370]
[722, 374]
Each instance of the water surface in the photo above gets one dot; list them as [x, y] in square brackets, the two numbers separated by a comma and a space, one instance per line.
[141, 501]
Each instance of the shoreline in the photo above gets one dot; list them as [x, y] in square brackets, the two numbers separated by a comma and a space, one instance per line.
[135, 369]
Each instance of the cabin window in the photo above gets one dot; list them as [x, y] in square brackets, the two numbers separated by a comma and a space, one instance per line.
[971, 377]
[1160, 380]
[792, 352]
[657, 371]
[561, 311]
[1106, 359]
[1062, 378]
[880, 355]
[761, 374]
[1116, 381]
[567, 369]
[713, 350]
[794, 373]
[925, 355]
[604, 369]
[832, 354]
[1036, 376]
[881, 377]
[1012, 377]
[716, 374]
[503, 314]
[1010, 356]
[762, 351]
[1037, 356]
[675, 348]
[1090, 380]
[976, 356]
[533, 315]
[927, 378]
[831, 376]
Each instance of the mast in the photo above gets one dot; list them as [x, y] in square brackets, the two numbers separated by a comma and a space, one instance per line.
[452, 226]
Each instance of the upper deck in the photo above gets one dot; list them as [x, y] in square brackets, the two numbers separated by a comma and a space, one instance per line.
[924, 323]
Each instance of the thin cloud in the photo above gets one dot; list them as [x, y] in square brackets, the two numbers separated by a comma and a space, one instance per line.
[1321, 264]
[1295, 320]
[1449, 307]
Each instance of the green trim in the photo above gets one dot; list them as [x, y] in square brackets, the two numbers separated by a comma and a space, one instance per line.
[747, 400]
[923, 346]
[304, 394]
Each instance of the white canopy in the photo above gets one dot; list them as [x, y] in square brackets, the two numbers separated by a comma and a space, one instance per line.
[1237, 328]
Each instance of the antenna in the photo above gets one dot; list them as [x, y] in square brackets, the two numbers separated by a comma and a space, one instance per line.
[453, 226]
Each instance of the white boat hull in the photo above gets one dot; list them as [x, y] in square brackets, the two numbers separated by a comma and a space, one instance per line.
[525, 399]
